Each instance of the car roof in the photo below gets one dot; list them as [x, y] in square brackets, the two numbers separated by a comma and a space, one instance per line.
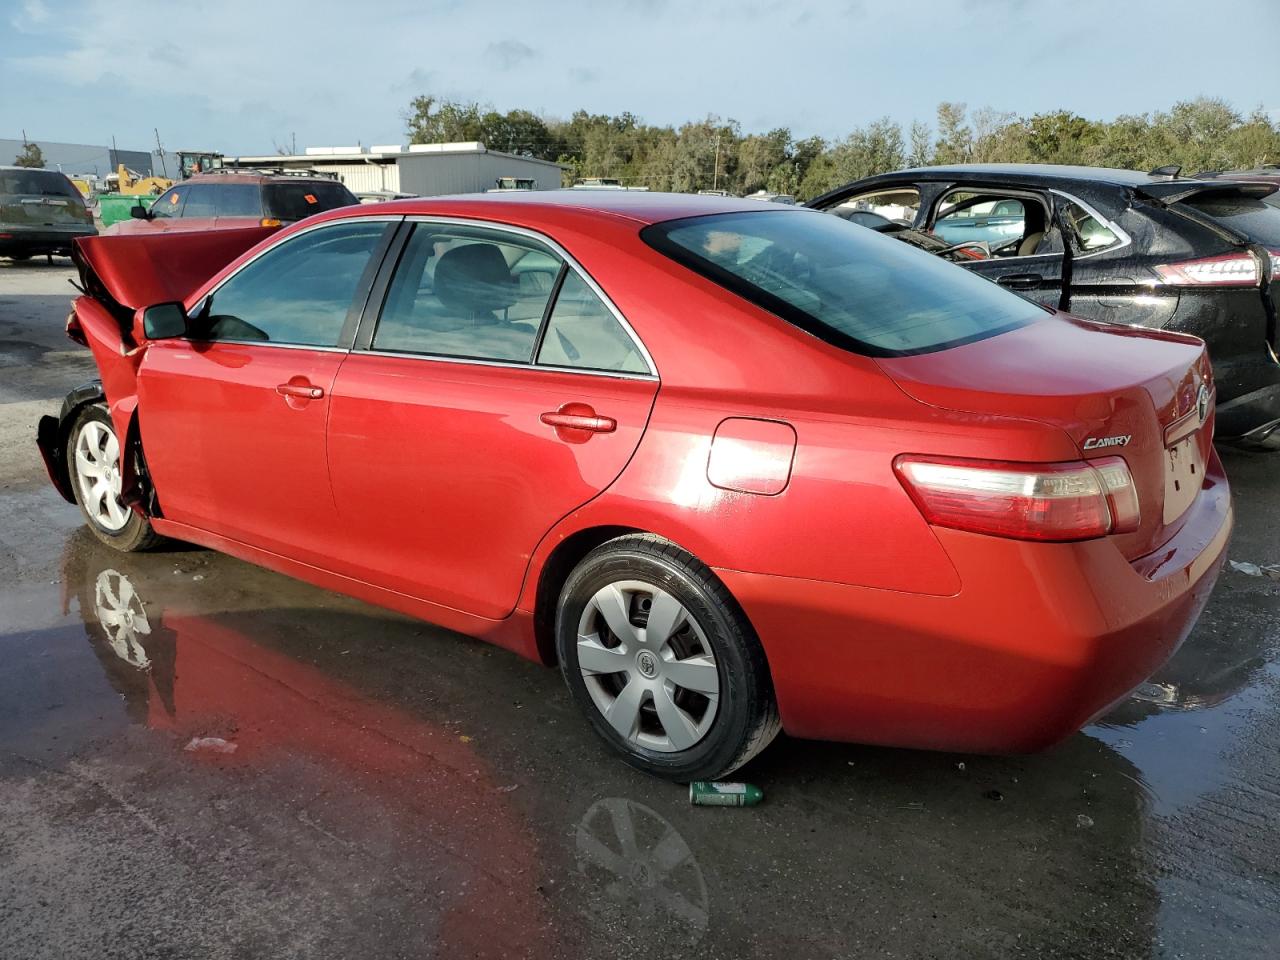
[1038, 172]
[55, 173]
[254, 177]
[643, 207]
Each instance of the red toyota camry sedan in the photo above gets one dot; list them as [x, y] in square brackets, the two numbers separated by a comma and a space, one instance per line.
[733, 469]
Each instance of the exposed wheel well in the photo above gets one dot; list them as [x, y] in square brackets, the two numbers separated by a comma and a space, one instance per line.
[567, 555]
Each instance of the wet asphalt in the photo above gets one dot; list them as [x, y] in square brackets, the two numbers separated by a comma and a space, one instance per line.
[199, 758]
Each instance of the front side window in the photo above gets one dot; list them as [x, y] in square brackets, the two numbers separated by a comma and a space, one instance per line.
[169, 203]
[299, 292]
[583, 333]
[467, 292]
[850, 286]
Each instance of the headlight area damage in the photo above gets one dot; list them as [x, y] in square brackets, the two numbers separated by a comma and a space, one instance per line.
[119, 278]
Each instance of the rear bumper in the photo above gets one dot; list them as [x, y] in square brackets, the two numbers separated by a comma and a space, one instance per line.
[1041, 638]
[35, 240]
[1253, 418]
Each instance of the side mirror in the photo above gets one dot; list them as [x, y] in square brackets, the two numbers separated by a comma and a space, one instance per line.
[139, 212]
[164, 321]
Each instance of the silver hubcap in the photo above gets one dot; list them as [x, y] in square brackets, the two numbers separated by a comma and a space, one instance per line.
[98, 475]
[648, 666]
[122, 616]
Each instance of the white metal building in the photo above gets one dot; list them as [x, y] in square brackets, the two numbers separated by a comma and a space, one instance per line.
[425, 169]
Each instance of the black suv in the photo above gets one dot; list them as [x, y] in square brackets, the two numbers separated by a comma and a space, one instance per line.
[41, 212]
[1151, 250]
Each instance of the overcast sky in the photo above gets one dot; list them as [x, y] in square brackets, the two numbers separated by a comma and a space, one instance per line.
[241, 76]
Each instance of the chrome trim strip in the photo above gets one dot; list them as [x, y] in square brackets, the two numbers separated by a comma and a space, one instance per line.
[1125, 239]
[265, 343]
[508, 364]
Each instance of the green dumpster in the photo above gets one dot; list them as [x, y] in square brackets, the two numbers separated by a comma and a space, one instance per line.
[114, 207]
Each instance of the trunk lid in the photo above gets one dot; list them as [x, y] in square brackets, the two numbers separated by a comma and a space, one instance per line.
[1114, 390]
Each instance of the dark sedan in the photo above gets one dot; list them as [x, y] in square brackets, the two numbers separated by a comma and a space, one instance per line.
[1150, 250]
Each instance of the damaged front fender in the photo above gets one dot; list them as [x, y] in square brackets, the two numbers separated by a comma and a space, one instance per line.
[52, 434]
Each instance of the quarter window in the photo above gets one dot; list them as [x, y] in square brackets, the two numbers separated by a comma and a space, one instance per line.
[583, 333]
[1090, 233]
[468, 292]
[299, 292]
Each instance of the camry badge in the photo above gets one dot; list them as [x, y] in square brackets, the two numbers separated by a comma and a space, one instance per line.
[1096, 443]
[1202, 402]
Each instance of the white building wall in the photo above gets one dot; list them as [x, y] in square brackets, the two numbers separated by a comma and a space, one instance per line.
[364, 177]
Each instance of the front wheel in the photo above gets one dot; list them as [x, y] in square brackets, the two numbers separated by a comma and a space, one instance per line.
[663, 662]
[93, 463]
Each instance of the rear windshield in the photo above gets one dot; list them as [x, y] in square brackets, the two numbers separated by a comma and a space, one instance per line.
[36, 183]
[848, 285]
[294, 201]
[1255, 219]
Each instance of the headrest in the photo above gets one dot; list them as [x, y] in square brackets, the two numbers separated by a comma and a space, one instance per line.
[474, 279]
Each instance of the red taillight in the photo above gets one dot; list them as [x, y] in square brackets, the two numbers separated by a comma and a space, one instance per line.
[1229, 270]
[1023, 501]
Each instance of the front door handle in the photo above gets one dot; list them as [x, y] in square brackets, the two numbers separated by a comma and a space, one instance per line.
[305, 391]
[578, 421]
[1021, 281]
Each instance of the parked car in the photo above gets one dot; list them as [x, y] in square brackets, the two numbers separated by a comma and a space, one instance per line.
[1147, 250]
[41, 212]
[229, 199]
[733, 467]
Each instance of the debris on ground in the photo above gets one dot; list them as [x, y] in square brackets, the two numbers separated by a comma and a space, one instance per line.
[1084, 820]
[210, 745]
[995, 795]
[708, 793]
[1271, 570]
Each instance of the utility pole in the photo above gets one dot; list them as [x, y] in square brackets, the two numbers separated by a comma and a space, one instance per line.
[164, 170]
[715, 174]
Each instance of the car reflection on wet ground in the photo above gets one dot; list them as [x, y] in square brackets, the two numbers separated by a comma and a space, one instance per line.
[199, 758]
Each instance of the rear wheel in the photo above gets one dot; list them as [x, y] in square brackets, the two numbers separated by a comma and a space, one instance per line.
[93, 463]
[663, 663]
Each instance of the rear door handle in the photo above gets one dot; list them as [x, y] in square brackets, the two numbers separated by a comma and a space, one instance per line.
[304, 390]
[1021, 281]
[579, 416]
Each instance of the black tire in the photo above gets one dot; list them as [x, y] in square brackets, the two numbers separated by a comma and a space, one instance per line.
[746, 716]
[136, 534]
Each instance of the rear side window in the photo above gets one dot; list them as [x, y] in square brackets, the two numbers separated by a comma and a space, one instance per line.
[294, 201]
[1255, 219]
[201, 201]
[36, 183]
[239, 200]
[850, 286]
[467, 292]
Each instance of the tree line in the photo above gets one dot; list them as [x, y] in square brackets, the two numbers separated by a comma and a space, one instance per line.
[714, 153]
